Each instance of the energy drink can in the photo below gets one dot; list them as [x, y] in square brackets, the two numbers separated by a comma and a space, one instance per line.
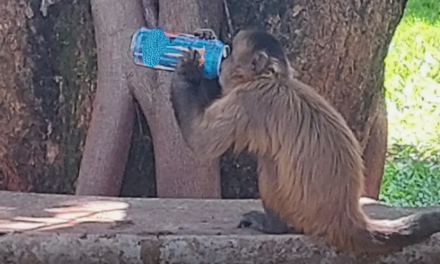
[212, 51]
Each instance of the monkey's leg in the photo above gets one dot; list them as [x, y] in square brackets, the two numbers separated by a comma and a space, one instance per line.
[269, 221]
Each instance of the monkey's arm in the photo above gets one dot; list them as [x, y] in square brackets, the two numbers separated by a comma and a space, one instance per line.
[207, 130]
[210, 132]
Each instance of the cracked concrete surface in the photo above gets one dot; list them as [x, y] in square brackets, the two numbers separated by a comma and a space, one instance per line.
[43, 228]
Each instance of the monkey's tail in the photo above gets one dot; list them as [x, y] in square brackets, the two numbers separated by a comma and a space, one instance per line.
[387, 236]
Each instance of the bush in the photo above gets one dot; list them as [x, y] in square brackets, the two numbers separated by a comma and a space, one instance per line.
[412, 83]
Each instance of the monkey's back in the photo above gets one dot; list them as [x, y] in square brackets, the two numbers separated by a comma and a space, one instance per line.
[316, 157]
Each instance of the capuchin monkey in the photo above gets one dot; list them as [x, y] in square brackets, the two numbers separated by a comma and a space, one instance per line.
[309, 162]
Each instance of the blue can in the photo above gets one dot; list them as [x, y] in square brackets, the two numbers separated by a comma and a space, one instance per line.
[212, 51]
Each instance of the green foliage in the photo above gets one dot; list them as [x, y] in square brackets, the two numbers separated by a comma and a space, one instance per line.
[412, 83]
[412, 176]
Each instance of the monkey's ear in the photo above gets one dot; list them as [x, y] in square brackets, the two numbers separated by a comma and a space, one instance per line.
[260, 61]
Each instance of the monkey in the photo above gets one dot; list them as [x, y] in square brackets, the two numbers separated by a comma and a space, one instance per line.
[309, 162]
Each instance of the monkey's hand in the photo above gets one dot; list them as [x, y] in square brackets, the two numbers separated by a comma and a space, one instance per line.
[205, 33]
[188, 85]
[186, 90]
[188, 68]
[263, 222]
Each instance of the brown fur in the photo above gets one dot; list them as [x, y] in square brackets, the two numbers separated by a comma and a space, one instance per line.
[310, 164]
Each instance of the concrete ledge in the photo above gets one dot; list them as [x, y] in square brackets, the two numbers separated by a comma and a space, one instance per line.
[57, 229]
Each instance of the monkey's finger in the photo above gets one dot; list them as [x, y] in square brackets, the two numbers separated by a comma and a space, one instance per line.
[185, 59]
[250, 224]
[205, 33]
[198, 33]
[197, 57]
[194, 57]
[252, 219]
[244, 224]
[187, 55]
[194, 53]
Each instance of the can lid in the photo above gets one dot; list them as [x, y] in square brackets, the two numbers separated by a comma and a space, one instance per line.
[225, 53]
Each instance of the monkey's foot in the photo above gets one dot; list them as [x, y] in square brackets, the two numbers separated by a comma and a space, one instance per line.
[188, 66]
[205, 33]
[263, 222]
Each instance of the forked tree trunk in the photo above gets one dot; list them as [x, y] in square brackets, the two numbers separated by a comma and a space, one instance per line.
[107, 145]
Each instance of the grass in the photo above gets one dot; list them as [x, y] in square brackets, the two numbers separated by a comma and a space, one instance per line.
[412, 83]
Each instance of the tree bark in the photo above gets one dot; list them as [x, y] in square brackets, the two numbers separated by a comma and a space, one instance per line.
[107, 145]
[375, 151]
[337, 47]
[108, 139]
[178, 174]
[47, 87]
[46, 90]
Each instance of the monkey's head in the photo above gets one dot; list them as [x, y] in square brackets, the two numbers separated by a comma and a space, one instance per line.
[255, 55]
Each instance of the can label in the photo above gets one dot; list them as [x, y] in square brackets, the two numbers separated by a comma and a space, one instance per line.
[212, 51]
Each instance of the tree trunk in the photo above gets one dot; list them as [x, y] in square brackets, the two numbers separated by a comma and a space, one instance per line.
[107, 145]
[375, 151]
[178, 174]
[108, 139]
[46, 88]
[338, 48]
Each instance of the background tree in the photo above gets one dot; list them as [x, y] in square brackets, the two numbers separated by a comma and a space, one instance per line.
[46, 90]
[337, 47]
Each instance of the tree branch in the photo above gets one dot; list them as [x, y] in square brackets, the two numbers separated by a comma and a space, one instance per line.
[108, 139]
